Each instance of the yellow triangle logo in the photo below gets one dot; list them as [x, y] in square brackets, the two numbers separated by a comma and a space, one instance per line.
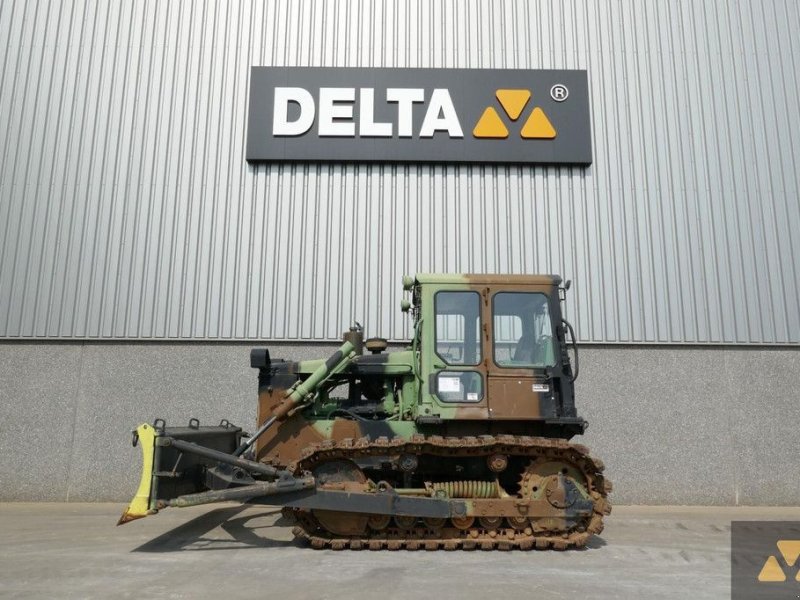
[490, 125]
[513, 101]
[771, 571]
[538, 126]
[790, 549]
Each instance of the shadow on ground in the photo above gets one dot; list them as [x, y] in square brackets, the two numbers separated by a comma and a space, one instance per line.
[594, 543]
[250, 530]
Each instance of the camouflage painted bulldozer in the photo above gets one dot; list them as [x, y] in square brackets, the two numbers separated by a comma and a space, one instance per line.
[458, 441]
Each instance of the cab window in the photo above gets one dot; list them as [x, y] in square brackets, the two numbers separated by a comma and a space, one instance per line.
[523, 333]
[458, 327]
[459, 386]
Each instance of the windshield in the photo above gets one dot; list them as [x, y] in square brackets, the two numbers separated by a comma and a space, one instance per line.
[523, 334]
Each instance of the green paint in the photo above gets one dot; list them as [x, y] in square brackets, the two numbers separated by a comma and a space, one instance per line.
[447, 372]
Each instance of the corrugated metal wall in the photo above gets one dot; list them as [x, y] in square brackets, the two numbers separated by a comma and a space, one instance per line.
[127, 209]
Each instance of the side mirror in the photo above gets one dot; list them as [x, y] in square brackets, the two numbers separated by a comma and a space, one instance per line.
[567, 284]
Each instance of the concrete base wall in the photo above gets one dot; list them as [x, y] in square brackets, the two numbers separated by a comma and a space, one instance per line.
[674, 425]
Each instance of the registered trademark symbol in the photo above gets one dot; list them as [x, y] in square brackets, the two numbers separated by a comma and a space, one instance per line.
[559, 92]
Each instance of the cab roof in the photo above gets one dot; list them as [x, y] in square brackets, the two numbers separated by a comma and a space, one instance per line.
[488, 279]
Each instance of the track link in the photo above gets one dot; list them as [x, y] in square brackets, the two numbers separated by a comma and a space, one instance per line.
[448, 537]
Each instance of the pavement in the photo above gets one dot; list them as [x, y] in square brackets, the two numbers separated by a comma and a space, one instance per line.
[232, 551]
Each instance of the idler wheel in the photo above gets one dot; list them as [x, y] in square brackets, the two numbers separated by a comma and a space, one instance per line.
[340, 522]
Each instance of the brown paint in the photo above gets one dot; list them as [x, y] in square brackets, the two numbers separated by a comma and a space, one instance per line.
[283, 443]
[345, 428]
[510, 390]
[512, 397]
[285, 440]
[477, 413]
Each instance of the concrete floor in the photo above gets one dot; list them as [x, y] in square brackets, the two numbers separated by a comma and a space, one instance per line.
[75, 551]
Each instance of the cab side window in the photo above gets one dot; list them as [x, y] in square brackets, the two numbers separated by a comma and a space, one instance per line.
[458, 327]
[523, 332]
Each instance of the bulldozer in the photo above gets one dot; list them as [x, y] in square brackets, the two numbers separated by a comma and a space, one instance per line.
[460, 440]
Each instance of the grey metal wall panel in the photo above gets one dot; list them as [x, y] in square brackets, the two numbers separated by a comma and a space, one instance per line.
[127, 209]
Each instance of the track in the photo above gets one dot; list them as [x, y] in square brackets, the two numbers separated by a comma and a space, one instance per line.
[549, 462]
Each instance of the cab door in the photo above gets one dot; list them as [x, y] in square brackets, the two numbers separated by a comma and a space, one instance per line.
[519, 350]
[454, 359]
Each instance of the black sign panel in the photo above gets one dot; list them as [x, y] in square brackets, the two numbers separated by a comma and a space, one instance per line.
[419, 115]
[765, 560]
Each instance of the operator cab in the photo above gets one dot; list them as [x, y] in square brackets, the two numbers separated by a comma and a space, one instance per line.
[493, 347]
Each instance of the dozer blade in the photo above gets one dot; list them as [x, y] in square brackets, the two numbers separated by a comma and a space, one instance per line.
[184, 460]
[140, 505]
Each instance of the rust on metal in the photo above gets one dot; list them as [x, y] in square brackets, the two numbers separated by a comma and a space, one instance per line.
[534, 519]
